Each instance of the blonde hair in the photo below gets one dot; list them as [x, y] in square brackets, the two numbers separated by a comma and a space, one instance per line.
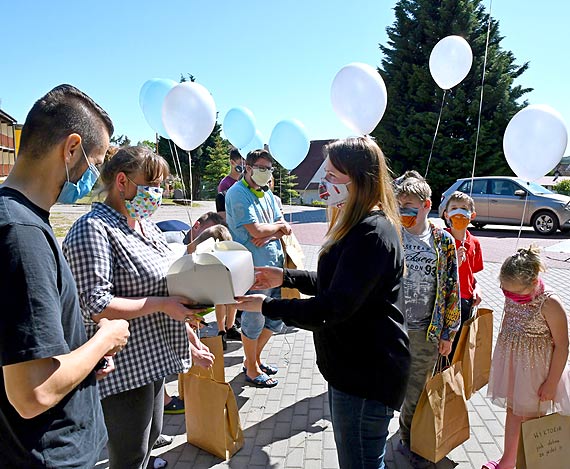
[524, 266]
[131, 160]
[371, 185]
[461, 197]
[415, 186]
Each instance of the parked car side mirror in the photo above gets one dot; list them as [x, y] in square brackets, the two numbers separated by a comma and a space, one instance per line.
[520, 193]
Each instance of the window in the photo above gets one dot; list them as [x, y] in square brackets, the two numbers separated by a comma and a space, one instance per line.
[479, 186]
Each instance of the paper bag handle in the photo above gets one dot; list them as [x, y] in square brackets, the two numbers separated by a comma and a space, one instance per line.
[233, 415]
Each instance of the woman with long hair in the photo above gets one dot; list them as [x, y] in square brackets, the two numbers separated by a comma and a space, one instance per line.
[357, 282]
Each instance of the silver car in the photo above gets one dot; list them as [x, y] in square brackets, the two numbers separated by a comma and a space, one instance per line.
[500, 200]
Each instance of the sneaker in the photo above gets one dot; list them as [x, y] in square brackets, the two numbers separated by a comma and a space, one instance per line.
[175, 406]
[224, 340]
[417, 461]
[163, 440]
[233, 333]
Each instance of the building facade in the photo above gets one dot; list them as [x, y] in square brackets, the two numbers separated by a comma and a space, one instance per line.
[9, 130]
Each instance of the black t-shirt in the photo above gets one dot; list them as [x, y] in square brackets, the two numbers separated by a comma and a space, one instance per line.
[360, 339]
[40, 318]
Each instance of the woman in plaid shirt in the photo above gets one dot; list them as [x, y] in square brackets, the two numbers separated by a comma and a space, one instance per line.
[119, 259]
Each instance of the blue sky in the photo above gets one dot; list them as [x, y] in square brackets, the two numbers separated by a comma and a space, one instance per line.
[276, 58]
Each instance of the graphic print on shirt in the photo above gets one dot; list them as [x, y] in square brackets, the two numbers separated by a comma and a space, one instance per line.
[420, 281]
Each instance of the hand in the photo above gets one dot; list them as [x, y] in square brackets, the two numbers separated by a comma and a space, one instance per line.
[179, 308]
[260, 242]
[461, 254]
[476, 296]
[547, 391]
[444, 347]
[202, 358]
[251, 303]
[103, 372]
[286, 228]
[116, 332]
[267, 277]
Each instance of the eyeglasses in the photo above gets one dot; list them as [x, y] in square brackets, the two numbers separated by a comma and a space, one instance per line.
[263, 168]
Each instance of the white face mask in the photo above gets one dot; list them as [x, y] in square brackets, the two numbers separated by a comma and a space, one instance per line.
[333, 194]
[261, 177]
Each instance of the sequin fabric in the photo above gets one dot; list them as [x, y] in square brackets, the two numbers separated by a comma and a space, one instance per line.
[521, 361]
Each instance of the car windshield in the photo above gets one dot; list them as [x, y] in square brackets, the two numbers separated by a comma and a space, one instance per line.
[534, 187]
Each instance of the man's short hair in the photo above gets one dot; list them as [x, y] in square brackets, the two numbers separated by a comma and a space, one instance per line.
[61, 112]
[461, 197]
[255, 155]
[417, 187]
[235, 155]
[212, 217]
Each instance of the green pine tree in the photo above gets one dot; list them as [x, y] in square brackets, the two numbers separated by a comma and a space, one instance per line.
[284, 184]
[217, 167]
[414, 99]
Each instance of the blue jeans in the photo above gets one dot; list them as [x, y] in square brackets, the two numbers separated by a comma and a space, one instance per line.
[252, 324]
[360, 429]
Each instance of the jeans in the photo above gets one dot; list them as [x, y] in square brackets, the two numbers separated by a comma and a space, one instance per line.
[360, 429]
[252, 324]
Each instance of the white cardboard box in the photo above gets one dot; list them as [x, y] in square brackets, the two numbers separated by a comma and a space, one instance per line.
[214, 274]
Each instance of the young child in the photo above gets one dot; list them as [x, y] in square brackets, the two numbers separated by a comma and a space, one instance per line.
[529, 367]
[459, 211]
[430, 297]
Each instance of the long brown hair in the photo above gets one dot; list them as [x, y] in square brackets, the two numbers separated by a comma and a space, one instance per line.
[371, 185]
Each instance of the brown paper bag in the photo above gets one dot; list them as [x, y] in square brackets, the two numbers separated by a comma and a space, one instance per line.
[293, 260]
[544, 443]
[215, 346]
[474, 350]
[441, 421]
[212, 418]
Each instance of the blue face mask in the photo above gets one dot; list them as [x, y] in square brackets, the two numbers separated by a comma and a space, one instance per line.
[72, 192]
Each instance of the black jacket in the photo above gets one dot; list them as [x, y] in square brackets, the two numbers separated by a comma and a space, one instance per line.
[361, 343]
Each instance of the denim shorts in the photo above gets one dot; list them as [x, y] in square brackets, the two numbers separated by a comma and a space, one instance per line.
[252, 324]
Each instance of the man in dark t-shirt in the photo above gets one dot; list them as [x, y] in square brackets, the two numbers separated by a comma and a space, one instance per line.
[50, 414]
[237, 166]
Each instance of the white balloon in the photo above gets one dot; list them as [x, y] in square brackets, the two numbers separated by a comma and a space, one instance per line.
[359, 97]
[450, 61]
[535, 141]
[189, 115]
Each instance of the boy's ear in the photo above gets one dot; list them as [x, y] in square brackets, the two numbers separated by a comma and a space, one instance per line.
[473, 215]
[445, 215]
[427, 203]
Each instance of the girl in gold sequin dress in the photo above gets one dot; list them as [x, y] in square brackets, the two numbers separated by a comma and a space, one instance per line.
[529, 372]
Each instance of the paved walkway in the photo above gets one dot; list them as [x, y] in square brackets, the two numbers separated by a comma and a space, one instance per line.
[289, 426]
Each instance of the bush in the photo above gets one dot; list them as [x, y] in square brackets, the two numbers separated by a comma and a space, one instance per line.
[563, 187]
[318, 203]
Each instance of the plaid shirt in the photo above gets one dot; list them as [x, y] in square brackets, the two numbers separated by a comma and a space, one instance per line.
[109, 259]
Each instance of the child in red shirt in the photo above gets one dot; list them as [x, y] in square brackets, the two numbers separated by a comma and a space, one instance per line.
[459, 211]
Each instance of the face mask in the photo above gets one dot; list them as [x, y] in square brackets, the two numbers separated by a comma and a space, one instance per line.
[260, 177]
[72, 192]
[527, 297]
[408, 216]
[145, 203]
[333, 194]
[239, 168]
[460, 218]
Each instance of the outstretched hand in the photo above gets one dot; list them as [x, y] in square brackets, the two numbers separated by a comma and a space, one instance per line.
[251, 303]
[267, 277]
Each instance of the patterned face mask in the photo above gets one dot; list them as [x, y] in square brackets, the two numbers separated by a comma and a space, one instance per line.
[145, 203]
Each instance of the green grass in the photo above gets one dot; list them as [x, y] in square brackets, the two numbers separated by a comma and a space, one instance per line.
[89, 199]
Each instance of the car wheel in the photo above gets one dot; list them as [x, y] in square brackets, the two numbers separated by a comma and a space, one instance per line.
[545, 222]
[479, 225]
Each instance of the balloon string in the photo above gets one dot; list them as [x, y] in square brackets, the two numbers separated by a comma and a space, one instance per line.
[481, 99]
[522, 218]
[435, 134]
[178, 168]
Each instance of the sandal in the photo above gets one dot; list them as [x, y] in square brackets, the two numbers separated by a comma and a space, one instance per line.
[490, 465]
[156, 463]
[262, 381]
[175, 406]
[267, 369]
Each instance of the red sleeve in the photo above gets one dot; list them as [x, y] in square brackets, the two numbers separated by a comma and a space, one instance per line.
[478, 258]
